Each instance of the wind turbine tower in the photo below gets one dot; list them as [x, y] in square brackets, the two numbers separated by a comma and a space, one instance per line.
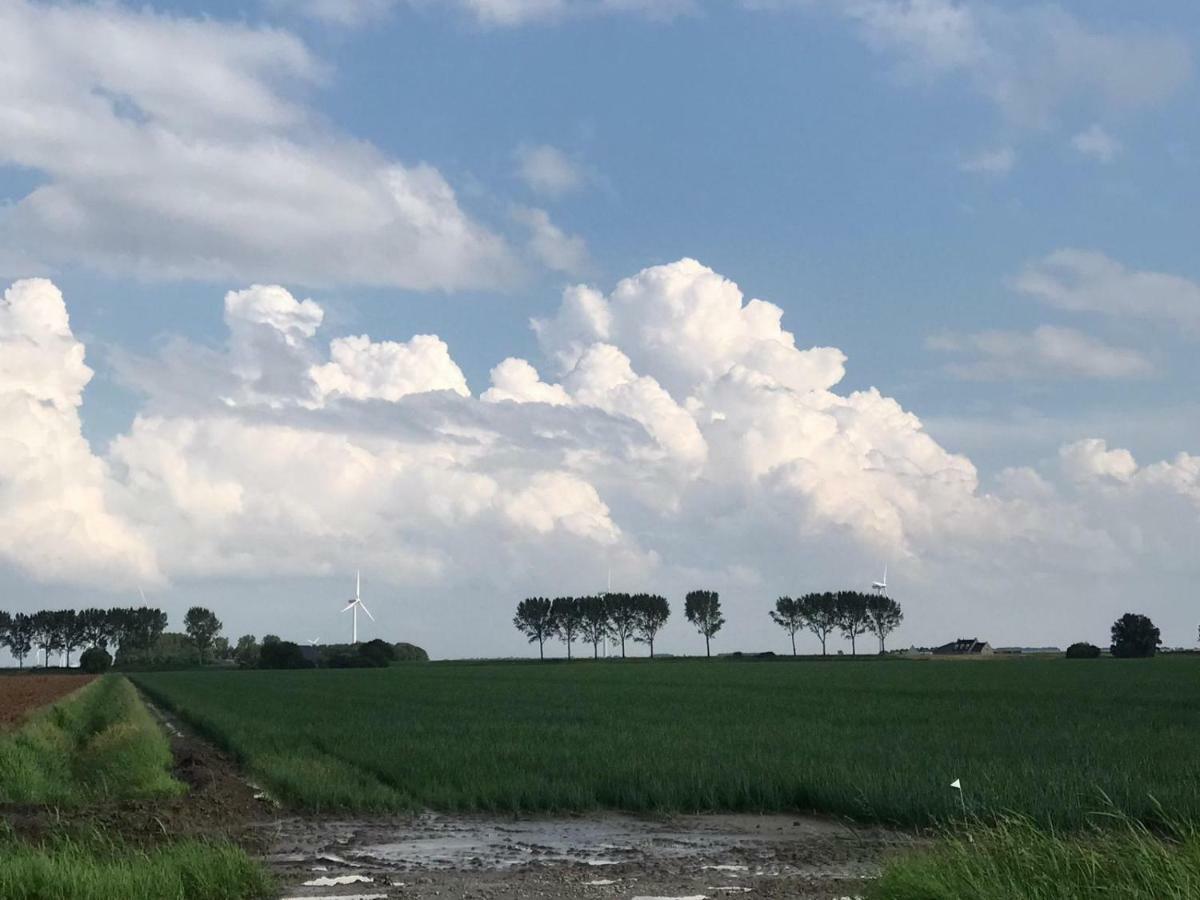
[355, 602]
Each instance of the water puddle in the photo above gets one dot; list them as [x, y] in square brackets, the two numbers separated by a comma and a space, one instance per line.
[580, 856]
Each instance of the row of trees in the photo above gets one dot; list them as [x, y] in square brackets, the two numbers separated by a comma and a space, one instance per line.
[640, 617]
[124, 630]
[850, 612]
[67, 630]
[595, 619]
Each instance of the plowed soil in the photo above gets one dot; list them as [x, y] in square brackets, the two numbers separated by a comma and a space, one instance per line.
[21, 694]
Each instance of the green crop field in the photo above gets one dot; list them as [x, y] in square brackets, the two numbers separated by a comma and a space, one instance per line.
[874, 740]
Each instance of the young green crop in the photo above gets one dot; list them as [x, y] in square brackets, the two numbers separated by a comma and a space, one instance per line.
[873, 740]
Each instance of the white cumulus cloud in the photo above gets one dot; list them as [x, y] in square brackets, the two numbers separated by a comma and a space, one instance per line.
[60, 521]
[682, 437]
[171, 147]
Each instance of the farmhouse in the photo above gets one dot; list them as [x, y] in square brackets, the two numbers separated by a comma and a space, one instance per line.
[964, 647]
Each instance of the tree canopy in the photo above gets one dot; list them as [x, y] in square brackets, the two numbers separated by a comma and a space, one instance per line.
[703, 610]
[1134, 635]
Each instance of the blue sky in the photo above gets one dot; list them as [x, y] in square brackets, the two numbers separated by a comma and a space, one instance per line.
[895, 175]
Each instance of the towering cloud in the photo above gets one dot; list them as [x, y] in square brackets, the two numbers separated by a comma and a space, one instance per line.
[680, 436]
[59, 521]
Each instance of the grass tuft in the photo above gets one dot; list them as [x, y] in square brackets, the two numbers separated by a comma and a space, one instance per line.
[99, 743]
[1014, 858]
[98, 869]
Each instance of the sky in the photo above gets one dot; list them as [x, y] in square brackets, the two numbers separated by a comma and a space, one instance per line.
[501, 298]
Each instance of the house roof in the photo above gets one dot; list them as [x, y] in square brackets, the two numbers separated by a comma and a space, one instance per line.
[962, 645]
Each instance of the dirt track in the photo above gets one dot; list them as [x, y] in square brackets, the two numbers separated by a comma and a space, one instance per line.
[20, 694]
[594, 856]
[428, 856]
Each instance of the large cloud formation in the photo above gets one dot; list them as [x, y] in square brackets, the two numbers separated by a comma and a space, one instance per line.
[58, 523]
[171, 147]
[679, 437]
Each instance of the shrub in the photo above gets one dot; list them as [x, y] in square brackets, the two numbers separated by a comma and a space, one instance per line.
[1083, 650]
[377, 653]
[406, 652]
[95, 660]
[282, 655]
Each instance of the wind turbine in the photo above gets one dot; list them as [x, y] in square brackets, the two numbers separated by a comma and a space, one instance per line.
[355, 602]
[315, 642]
[880, 586]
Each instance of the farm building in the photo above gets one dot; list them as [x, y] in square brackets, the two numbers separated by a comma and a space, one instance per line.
[964, 647]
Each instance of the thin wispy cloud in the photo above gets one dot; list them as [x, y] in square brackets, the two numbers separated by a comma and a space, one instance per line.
[1091, 282]
[990, 162]
[548, 171]
[1097, 144]
[1047, 352]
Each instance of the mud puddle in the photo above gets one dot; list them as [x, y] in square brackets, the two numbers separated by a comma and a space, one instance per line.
[602, 855]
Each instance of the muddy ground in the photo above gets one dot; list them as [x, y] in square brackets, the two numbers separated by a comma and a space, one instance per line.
[494, 857]
[21, 694]
[593, 856]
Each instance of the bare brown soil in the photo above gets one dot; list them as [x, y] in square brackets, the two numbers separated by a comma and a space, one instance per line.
[21, 694]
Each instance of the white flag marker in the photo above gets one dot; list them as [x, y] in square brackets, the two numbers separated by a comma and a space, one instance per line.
[956, 784]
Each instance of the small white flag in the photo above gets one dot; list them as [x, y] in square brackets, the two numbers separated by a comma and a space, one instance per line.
[956, 784]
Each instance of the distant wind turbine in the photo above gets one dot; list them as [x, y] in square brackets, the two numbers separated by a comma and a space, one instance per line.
[314, 642]
[355, 602]
[880, 586]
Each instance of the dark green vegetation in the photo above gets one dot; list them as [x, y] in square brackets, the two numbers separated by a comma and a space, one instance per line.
[99, 743]
[876, 740]
[67, 630]
[850, 612]
[620, 617]
[1134, 635]
[1014, 859]
[98, 869]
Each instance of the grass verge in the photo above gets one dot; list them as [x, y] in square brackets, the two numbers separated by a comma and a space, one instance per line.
[100, 743]
[100, 869]
[1016, 859]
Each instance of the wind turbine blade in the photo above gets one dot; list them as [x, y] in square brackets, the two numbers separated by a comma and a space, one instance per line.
[367, 611]
[348, 608]
[357, 584]
[143, 593]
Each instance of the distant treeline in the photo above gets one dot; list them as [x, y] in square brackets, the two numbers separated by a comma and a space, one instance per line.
[274, 653]
[67, 630]
[138, 637]
[621, 617]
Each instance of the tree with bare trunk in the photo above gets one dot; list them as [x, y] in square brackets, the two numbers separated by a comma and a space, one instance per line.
[703, 609]
[533, 619]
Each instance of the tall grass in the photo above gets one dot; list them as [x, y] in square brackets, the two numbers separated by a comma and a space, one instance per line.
[1015, 859]
[100, 742]
[99, 869]
[868, 740]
